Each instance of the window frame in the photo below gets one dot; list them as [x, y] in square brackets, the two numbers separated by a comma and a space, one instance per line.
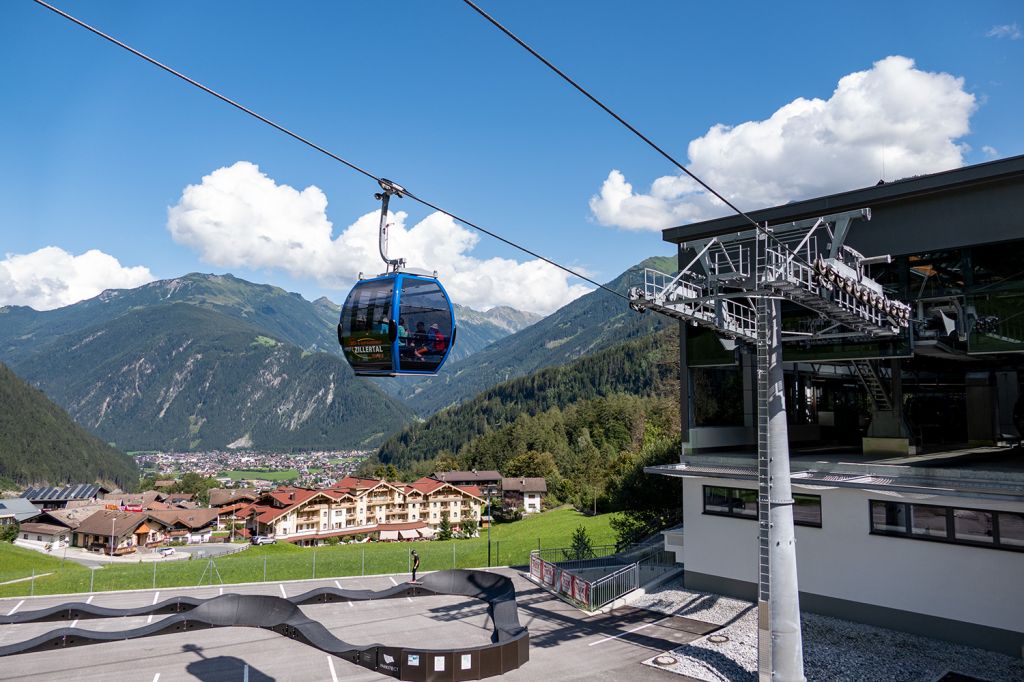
[732, 515]
[950, 538]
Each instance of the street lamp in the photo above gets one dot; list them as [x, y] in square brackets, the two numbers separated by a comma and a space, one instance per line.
[489, 521]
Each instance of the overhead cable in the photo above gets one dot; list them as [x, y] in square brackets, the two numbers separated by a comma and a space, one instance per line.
[618, 118]
[317, 147]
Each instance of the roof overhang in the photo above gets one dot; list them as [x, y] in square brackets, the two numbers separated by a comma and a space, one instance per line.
[875, 197]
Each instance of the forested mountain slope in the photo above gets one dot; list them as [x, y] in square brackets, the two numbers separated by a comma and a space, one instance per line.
[180, 376]
[644, 366]
[41, 444]
[589, 324]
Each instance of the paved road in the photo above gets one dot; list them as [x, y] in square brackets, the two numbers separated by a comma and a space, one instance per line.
[564, 644]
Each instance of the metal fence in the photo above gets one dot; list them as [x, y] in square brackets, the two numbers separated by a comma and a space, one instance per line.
[58, 574]
[596, 582]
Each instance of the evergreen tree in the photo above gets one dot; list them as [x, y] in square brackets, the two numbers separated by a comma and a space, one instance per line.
[468, 527]
[444, 529]
[582, 547]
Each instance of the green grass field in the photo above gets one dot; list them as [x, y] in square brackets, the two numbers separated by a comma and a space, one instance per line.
[510, 545]
[271, 475]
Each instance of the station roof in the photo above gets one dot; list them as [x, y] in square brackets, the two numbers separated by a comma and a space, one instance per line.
[873, 197]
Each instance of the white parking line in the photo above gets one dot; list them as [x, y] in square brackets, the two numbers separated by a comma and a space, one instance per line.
[338, 584]
[16, 607]
[89, 601]
[408, 599]
[155, 598]
[74, 622]
[245, 673]
[393, 581]
[330, 664]
[220, 590]
[629, 632]
[282, 590]
[156, 678]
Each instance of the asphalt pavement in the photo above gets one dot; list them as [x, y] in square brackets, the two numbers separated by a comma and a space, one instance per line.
[565, 644]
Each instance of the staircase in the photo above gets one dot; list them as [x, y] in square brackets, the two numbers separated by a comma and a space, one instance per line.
[870, 376]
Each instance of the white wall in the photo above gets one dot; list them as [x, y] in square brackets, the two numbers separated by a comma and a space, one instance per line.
[843, 560]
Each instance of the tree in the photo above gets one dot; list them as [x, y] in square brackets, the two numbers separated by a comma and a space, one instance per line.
[388, 472]
[444, 529]
[531, 464]
[582, 547]
[468, 527]
[196, 485]
[446, 462]
[9, 531]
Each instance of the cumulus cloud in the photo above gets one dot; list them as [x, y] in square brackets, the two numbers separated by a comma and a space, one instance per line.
[51, 277]
[990, 151]
[237, 216]
[1011, 31]
[892, 114]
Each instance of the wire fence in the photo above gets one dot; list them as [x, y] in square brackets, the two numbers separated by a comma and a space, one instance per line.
[270, 563]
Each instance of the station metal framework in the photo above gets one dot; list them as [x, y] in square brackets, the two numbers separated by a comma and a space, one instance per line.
[735, 285]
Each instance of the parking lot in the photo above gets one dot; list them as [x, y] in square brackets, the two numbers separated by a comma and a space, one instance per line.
[565, 644]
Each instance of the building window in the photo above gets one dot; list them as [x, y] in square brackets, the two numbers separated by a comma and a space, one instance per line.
[742, 503]
[928, 520]
[1011, 529]
[978, 527]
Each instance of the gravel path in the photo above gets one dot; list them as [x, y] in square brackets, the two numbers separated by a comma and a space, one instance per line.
[834, 650]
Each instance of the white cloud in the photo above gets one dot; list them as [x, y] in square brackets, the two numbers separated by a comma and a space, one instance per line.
[892, 114]
[990, 151]
[1011, 31]
[51, 277]
[239, 217]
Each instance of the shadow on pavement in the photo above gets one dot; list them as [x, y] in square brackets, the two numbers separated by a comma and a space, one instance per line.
[221, 668]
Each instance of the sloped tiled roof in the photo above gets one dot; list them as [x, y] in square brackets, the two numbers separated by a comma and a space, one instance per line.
[223, 496]
[190, 518]
[107, 521]
[524, 485]
[467, 476]
[18, 506]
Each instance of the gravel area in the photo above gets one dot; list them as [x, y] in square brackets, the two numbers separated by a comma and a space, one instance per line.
[834, 649]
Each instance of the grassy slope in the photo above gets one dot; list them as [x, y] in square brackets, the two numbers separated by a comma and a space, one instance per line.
[510, 544]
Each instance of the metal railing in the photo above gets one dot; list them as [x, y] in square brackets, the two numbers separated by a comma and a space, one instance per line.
[609, 588]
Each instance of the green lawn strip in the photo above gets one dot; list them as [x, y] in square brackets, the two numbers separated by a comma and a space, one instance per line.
[510, 545]
[18, 562]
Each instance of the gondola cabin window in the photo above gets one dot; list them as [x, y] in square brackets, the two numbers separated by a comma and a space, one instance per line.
[365, 326]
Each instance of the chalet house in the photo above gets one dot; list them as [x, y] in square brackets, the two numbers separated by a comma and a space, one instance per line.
[388, 511]
[525, 493]
[188, 525]
[119, 532]
[39, 534]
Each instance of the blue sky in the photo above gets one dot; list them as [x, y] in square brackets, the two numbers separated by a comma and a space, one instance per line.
[97, 145]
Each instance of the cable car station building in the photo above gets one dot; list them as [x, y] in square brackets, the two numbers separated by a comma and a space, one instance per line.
[907, 466]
